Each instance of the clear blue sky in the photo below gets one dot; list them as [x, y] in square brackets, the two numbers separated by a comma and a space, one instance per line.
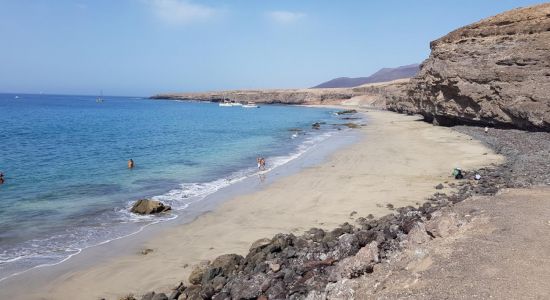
[141, 47]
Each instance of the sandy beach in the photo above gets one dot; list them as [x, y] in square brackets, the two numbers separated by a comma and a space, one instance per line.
[397, 161]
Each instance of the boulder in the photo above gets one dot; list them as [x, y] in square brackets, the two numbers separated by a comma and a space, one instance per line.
[198, 271]
[259, 244]
[227, 263]
[360, 263]
[191, 293]
[418, 234]
[346, 112]
[148, 206]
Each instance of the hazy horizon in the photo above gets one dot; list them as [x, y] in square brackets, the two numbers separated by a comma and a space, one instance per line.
[143, 47]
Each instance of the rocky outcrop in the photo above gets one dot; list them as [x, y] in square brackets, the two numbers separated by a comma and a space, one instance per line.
[377, 95]
[322, 264]
[147, 207]
[494, 72]
[371, 95]
[280, 96]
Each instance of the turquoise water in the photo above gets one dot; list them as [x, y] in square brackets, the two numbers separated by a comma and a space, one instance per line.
[64, 159]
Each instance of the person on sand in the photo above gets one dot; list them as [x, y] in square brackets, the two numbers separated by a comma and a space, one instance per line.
[486, 129]
[130, 164]
[457, 173]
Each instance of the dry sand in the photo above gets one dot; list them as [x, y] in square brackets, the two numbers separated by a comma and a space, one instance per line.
[399, 161]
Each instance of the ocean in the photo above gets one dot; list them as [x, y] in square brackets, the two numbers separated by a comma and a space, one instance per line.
[65, 164]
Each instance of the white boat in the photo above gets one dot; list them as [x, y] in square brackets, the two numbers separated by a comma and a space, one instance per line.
[225, 102]
[250, 105]
[100, 98]
[236, 104]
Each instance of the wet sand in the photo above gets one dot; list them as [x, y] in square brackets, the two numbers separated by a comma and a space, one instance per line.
[398, 161]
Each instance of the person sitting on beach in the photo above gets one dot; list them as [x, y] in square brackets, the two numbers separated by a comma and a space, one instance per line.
[130, 164]
[457, 173]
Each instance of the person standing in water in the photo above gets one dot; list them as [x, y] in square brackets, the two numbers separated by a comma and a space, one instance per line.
[130, 164]
[1, 178]
[262, 163]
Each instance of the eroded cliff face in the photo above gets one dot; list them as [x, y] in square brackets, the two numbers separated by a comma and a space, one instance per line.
[493, 72]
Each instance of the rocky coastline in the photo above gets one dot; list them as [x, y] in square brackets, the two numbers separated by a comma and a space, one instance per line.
[372, 95]
[492, 73]
[316, 264]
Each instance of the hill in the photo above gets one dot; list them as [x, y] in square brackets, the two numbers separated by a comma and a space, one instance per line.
[382, 75]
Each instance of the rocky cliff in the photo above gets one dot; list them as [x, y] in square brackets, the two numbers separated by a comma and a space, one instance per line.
[494, 72]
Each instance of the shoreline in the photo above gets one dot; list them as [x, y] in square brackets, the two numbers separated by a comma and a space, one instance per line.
[130, 244]
[307, 140]
[169, 256]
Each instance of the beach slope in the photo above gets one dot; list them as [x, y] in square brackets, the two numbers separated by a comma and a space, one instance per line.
[397, 162]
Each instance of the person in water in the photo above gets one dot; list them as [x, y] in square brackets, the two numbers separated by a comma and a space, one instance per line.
[131, 164]
[262, 163]
[1, 178]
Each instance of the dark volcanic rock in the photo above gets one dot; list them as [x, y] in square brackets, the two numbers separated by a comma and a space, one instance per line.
[227, 264]
[494, 72]
[147, 206]
[293, 267]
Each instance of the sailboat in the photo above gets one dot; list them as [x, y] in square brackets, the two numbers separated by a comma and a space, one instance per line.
[100, 98]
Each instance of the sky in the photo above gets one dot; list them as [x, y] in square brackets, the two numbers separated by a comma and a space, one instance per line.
[143, 47]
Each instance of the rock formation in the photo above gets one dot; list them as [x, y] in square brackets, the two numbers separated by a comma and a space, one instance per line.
[282, 96]
[494, 72]
[372, 95]
[147, 207]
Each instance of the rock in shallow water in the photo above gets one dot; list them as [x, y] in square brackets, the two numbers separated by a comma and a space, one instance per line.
[147, 207]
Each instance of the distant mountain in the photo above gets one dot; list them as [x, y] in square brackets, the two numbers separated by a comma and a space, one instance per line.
[385, 74]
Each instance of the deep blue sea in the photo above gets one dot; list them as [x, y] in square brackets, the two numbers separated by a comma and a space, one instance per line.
[65, 163]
